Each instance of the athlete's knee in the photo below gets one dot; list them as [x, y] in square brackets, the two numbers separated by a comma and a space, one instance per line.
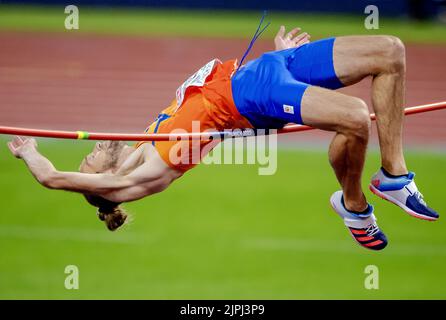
[357, 121]
[394, 53]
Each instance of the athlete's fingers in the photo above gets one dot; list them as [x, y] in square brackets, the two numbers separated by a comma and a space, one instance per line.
[281, 32]
[20, 140]
[300, 37]
[302, 41]
[11, 148]
[33, 142]
[307, 37]
[16, 142]
[293, 33]
[25, 140]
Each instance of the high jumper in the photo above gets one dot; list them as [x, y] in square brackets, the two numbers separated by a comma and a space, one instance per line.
[295, 83]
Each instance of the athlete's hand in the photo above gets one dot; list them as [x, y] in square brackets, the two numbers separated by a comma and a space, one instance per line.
[292, 39]
[20, 146]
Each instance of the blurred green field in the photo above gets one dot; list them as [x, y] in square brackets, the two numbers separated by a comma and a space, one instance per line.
[232, 24]
[222, 231]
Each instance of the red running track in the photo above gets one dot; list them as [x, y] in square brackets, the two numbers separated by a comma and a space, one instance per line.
[115, 84]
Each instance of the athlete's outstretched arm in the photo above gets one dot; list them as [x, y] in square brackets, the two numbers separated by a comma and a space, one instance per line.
[139, 183]
[292, 39]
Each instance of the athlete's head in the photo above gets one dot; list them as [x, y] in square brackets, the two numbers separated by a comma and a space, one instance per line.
[107, 156]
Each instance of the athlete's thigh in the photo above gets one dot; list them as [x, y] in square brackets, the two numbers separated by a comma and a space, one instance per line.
[330, 110]
[355, 57]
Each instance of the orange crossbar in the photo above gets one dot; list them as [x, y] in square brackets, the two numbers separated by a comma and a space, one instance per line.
[83, 135]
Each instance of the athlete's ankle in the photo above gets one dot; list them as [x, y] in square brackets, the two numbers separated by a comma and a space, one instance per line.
[360, 206]
[394, 173]
[394, 170]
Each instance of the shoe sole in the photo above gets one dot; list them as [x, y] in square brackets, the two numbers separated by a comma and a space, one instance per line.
[399, 204]
[351, 234]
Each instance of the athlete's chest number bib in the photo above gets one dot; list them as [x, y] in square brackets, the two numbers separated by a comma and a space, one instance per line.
[197, 80]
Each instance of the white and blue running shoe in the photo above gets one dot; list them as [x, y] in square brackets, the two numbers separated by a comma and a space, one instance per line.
[403, 192]
[363, 227]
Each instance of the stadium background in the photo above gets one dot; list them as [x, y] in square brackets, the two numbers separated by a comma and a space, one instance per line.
[222, 231]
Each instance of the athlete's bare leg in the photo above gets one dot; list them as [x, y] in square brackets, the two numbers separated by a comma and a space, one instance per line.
[349, 118]
[383, 58]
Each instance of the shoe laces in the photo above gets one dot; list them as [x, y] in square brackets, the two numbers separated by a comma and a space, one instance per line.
[420, 198]
[372, 229]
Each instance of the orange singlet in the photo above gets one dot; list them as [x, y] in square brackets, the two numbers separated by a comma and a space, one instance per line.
[204, 99]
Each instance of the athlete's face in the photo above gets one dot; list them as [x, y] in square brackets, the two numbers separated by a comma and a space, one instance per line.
[106, 156]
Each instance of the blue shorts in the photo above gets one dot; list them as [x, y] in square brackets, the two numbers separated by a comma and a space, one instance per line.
[268, 91]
